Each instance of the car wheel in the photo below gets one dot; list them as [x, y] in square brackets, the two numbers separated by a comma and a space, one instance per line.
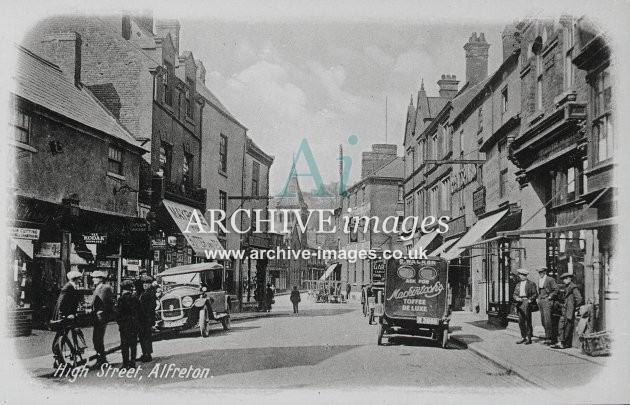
[226, 323]
[381, 332]
[204, 322]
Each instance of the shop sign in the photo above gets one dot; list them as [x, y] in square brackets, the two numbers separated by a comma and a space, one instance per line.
[158, 244]
[138, 227]
[95, 238]
[378, 271]
[49, 250]
[24, 233]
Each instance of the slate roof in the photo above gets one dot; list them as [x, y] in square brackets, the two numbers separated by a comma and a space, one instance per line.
[461, 101]
[393, 169]
[214, 100]
[43, 83]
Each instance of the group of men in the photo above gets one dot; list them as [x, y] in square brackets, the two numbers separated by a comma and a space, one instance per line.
[134, 312]
[557, 307]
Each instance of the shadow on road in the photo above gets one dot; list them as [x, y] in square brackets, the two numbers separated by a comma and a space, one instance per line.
[486, 325]
[323, 312]
[402, 340]
[467, 339]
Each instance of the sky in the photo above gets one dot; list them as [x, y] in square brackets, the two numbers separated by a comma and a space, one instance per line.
[324, 81]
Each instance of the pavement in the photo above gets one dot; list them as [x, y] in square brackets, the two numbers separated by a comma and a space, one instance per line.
[537, 363]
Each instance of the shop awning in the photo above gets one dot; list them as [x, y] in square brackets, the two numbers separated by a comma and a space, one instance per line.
[445, 246]
[199, 242]
[25, 246]
[424, 241]
[329, 271]
[563, 228]
[475, 233]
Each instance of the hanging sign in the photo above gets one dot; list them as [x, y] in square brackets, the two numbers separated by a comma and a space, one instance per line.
[95, 238]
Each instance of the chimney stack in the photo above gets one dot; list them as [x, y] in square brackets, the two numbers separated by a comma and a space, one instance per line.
[448, 86]
[64, 50]
[511, 38]
[164, 27]
[380, 155]
[476, 58]
[201, 71]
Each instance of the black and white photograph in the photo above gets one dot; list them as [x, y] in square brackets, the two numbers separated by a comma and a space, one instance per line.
[315, 202]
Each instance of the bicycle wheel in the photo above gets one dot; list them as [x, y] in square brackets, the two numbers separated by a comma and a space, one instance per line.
[67, 353]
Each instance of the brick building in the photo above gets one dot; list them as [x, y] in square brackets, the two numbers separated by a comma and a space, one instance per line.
[142, 79]
[75, 177]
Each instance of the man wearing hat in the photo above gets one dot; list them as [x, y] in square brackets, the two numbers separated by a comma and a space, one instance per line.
[147, 318]
[572, 299]
[138, 284]
[69, 297]
[102, 307]
[547, 293]
[128, 315]
[525, 295]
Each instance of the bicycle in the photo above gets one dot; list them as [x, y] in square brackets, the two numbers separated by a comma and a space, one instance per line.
[68, 350]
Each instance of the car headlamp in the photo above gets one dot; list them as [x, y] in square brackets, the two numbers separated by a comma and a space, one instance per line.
[187, 301]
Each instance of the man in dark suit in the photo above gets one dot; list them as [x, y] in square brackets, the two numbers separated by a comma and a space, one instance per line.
[547, 294]
[128, 313]
[69, 297]
[572, 299]
[102, 308]
[525, 295]
[67, 305]
[147, 318]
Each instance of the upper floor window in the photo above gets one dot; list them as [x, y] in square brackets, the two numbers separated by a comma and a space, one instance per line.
[569, 42]
[363, 195]
[165, 160]
[603, 133]
[504, 101]
[255, 178]
[539, 82]
[114, 160]
[187, 170]
[435, 201]
[401, 192]
[223, 207]
[166, 81]
[480, 119]
[189, 89]
[223, 156]
[21, 122]
[445, 195]
[434, 147]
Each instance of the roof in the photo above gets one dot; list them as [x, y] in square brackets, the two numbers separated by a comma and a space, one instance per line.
[436, 104]
[461, 101]
[214, 100]
[394, 169]
[43, 83]
[191, 268]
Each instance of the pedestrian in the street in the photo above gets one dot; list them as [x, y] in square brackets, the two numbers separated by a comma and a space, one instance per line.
[67, 306]
[269, 298]
[295, 299]
[572, 300]
[102, 308]
[138, 284]
[547, 294]
[147, 318]
[128, 315]
[525, 295]
[348, 289]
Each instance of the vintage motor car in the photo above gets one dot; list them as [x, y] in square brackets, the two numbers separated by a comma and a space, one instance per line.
[192, 296]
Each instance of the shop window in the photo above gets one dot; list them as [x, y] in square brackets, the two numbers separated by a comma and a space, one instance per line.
[166, 158]
[114, 160]
[223, 148]
[21, 122]
[255, 178]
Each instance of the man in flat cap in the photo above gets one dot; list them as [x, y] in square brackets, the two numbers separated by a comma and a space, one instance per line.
[67, 305]
[525, 295]
[102, 308]
[147, 318]
[547, 293]
[572, 300]
[128, 315]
